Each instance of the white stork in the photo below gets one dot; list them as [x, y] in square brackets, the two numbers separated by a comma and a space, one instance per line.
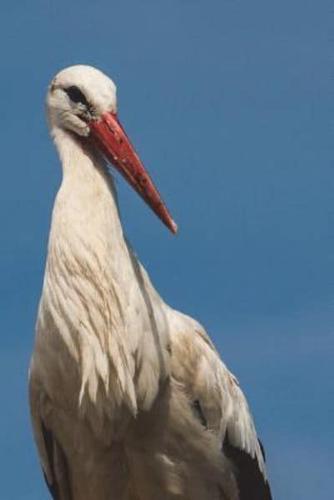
[129, 398]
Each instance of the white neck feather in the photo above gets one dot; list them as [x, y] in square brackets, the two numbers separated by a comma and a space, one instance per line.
[94, 289]
[85, 175]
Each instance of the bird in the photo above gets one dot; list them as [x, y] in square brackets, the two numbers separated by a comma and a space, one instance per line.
[129, 398]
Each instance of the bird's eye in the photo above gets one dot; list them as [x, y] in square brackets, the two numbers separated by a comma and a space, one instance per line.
[75, 94]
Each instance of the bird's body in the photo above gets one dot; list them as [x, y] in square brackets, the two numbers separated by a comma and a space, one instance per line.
[129, 398]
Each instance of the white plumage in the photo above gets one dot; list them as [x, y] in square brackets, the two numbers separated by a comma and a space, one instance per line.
[129, 398]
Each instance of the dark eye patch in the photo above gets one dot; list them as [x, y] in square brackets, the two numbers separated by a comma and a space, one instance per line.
[75, 94]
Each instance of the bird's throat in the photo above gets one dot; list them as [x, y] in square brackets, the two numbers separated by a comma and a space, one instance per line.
[87, 189]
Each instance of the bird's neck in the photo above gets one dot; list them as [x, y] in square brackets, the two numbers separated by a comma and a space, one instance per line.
[86, 230]
[94, 289]
[87, 189]
[88, 263]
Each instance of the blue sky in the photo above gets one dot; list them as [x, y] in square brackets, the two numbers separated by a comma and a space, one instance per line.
[230, 105]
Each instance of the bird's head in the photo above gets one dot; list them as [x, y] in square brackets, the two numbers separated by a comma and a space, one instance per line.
[82, 101]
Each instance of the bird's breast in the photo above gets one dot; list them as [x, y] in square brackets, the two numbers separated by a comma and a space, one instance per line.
[102, 336]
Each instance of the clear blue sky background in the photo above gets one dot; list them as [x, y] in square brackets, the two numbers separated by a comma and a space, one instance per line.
[230, 103]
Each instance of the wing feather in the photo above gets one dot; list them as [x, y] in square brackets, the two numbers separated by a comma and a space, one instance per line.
[220, 405]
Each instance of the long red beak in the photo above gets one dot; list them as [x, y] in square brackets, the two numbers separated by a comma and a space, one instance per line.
[110, 137]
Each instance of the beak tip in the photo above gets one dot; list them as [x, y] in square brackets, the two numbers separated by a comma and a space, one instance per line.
[173, 227]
